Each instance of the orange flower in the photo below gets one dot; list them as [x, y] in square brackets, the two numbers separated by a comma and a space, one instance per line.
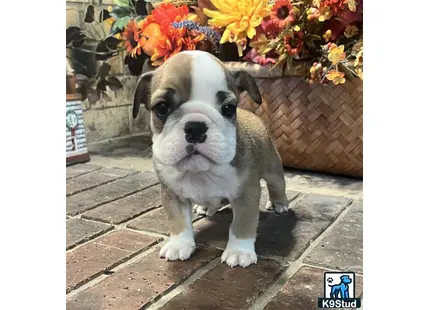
[336, 77]
[160, 39]
[131, 36]
[282, 13]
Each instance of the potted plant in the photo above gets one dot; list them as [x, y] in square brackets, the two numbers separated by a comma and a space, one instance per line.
[306, 57]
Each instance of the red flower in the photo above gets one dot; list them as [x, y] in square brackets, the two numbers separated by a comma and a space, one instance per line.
[268, 27]
[131, 36]
[335, 5]
[166, 13]
[293, 46]
[345, 18]
[282, 13]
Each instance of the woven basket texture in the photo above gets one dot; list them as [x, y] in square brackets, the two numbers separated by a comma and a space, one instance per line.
[314, 127]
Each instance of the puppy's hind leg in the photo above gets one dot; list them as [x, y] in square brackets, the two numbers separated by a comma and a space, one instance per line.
[274, 177]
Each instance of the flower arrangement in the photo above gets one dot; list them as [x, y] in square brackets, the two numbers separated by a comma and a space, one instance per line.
[324, 36]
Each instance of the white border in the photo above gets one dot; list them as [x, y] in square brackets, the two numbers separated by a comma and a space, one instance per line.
[396, 158]
[396, 155]
[33, 167]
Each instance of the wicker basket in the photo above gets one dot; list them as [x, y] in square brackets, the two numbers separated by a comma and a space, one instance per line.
[315, 127]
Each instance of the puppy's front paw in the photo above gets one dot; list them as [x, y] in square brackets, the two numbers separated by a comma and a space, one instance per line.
[178, 247]
[239, 257]
[277, 207]
[239, 252]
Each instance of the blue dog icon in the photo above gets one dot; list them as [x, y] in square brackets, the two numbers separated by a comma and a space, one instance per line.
[341, 290]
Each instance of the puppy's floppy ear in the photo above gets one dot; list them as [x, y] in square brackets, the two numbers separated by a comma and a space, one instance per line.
[142, 92]
[245, 82]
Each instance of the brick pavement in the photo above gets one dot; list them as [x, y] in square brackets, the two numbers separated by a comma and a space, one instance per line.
[116, 226]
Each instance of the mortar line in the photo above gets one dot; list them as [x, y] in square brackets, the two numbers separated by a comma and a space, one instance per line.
[83, 173]
[328, 268]
[184, 286]
[294, 266]
[324, 191]
[112, 200]
[101, 277]
[103, 183]
[115, 228]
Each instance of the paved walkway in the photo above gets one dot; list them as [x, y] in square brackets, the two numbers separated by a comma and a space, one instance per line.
[116, 226]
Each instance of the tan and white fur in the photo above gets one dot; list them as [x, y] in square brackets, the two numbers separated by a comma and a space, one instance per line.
[225, 166]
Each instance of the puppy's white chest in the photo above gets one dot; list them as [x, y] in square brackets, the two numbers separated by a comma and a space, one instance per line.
[203, 187]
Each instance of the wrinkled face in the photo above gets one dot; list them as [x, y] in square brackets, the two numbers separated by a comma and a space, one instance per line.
[193, 100]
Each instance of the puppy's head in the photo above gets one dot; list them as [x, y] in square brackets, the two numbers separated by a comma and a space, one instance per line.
[193, 98]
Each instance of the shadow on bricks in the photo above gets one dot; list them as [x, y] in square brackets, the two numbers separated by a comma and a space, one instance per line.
[274, 233]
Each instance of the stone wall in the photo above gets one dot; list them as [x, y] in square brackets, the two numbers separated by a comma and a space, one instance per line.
[107, 119]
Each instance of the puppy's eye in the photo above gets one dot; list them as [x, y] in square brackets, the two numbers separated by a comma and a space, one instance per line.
[161, 109]
[228, 110]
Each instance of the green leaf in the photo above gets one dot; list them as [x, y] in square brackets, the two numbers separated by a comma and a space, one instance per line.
[121, 3]
[121, 23]
[289, 63]
[92, 96]
[283, 57]
[310, 43]
[103, 15]
[119, 12]
[104, 70]
[114, 83]
[139, 18]
[89, 15]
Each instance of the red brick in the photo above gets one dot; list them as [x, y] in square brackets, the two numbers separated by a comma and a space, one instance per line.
[140, 283]
[288, 235]
[155, 221]
[342, 247]
[80, 231]
[96, 178]
[91, 259]
[87, 200]
[303, 290]
[213, 231]
[127, 208]
[227, 288]
[80, 169]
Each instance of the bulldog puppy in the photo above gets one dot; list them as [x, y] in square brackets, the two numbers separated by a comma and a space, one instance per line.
[206, 151]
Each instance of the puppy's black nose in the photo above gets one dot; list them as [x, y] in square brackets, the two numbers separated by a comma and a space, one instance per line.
[195, 132]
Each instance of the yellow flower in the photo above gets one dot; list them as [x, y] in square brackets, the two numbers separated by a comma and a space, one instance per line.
[352, 5]
[359, 73]
[358, 57]
[109, 8]
[336, 54]
[325, 14]
[239, 17]
[336, 77]
[350, 31]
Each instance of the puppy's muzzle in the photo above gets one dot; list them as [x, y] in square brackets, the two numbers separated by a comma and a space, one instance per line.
[195, 132]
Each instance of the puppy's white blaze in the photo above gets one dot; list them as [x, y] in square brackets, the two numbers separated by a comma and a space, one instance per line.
[182, 245]
[239, 252]
[207, 77]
